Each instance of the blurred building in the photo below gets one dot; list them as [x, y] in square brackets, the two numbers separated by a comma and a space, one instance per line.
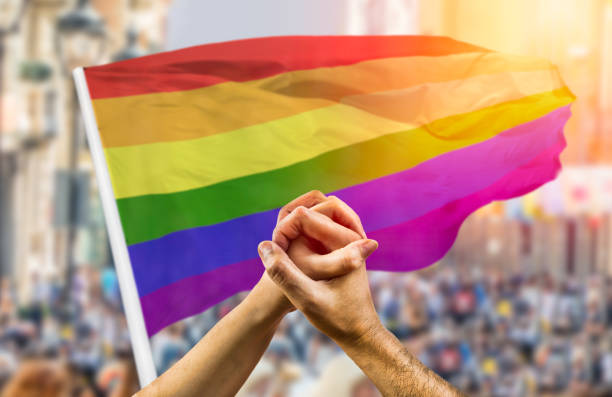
[573, 34]
[38, 114]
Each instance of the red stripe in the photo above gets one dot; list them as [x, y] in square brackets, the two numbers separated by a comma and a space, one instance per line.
[245, 60]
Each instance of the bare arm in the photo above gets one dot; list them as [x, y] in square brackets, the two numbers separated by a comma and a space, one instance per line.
[224, 358]
[393, 369]
[342, 308]
[221, 362]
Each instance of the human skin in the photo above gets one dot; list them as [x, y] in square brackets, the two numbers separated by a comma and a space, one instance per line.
[342, 308]
[223, 359]
[322, 273]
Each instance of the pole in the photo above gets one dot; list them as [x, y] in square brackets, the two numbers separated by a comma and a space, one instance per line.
[129, 293]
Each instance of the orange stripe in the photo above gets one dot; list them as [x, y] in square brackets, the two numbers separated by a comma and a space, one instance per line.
[184, 115]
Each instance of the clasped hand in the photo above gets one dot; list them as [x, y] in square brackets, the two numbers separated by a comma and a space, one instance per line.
[316, 261]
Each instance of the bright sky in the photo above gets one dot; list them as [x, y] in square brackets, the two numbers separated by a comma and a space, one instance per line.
[192, 22]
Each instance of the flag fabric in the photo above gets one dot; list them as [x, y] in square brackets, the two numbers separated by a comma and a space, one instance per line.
[205, 144]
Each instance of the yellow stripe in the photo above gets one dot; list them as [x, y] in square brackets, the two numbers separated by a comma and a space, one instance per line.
[182, 165]
[173, 116]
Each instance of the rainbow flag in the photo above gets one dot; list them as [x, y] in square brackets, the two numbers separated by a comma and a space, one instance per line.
[204, 144]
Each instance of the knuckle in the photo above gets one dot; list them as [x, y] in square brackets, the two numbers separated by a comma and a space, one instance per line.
[352, 260]
[315, 193]
[277, 236]
[282, 213]
[277, 271]
[334, 199]
[300, 212]
[335, 202]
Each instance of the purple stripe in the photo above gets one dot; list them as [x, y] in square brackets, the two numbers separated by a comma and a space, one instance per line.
[408, 246]
[409, 193]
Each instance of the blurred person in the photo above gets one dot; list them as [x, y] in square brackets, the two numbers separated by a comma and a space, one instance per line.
[7, 297]
[34, 310]
[199, 325]
[579, 383]
[511, 382]
[110, 286]
[529, 291]
[414, 315]
[330, 287]
[606, 362]
[342, 378]
[259, 380]
[282, 341]
[554, 366]
[569, 311]
[592, 359]
[320, 351]
[489, 363]
[169, 346]
[443, 352]
[504, 308]
[608, 302]
[524, 332]
[80, 286]
[40, 378]
[480, 291]
[8, 365]
[382, 291]
[108, 330]
[299, 332]
[86, 353]
[118, 377]
[548, 303]
[391, 311]
[435, 302]
[50, 336]
[287, 373]
[595, 322]
[463, 302]
[271, 377]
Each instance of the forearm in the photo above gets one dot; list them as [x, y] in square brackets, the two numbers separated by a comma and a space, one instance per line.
[394, 370]
[220, 363]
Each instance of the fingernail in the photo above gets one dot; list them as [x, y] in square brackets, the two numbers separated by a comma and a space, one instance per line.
[367, 247]
[265, 249]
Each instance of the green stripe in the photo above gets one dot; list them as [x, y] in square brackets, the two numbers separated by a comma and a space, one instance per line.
[152, 216]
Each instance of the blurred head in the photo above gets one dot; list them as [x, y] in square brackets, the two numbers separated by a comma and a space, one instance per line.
[341, 377]
[364, 388]
[39, 378]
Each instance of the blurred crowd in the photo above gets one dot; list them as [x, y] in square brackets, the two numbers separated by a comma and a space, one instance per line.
[491, 333]
[49, 347]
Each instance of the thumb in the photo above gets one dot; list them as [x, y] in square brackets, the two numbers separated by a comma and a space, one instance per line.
[298, 287]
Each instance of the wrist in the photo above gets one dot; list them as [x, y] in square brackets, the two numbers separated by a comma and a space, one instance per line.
[267, 302]
[368, 334]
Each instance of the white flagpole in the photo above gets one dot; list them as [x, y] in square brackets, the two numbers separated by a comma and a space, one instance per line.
[127, 285]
